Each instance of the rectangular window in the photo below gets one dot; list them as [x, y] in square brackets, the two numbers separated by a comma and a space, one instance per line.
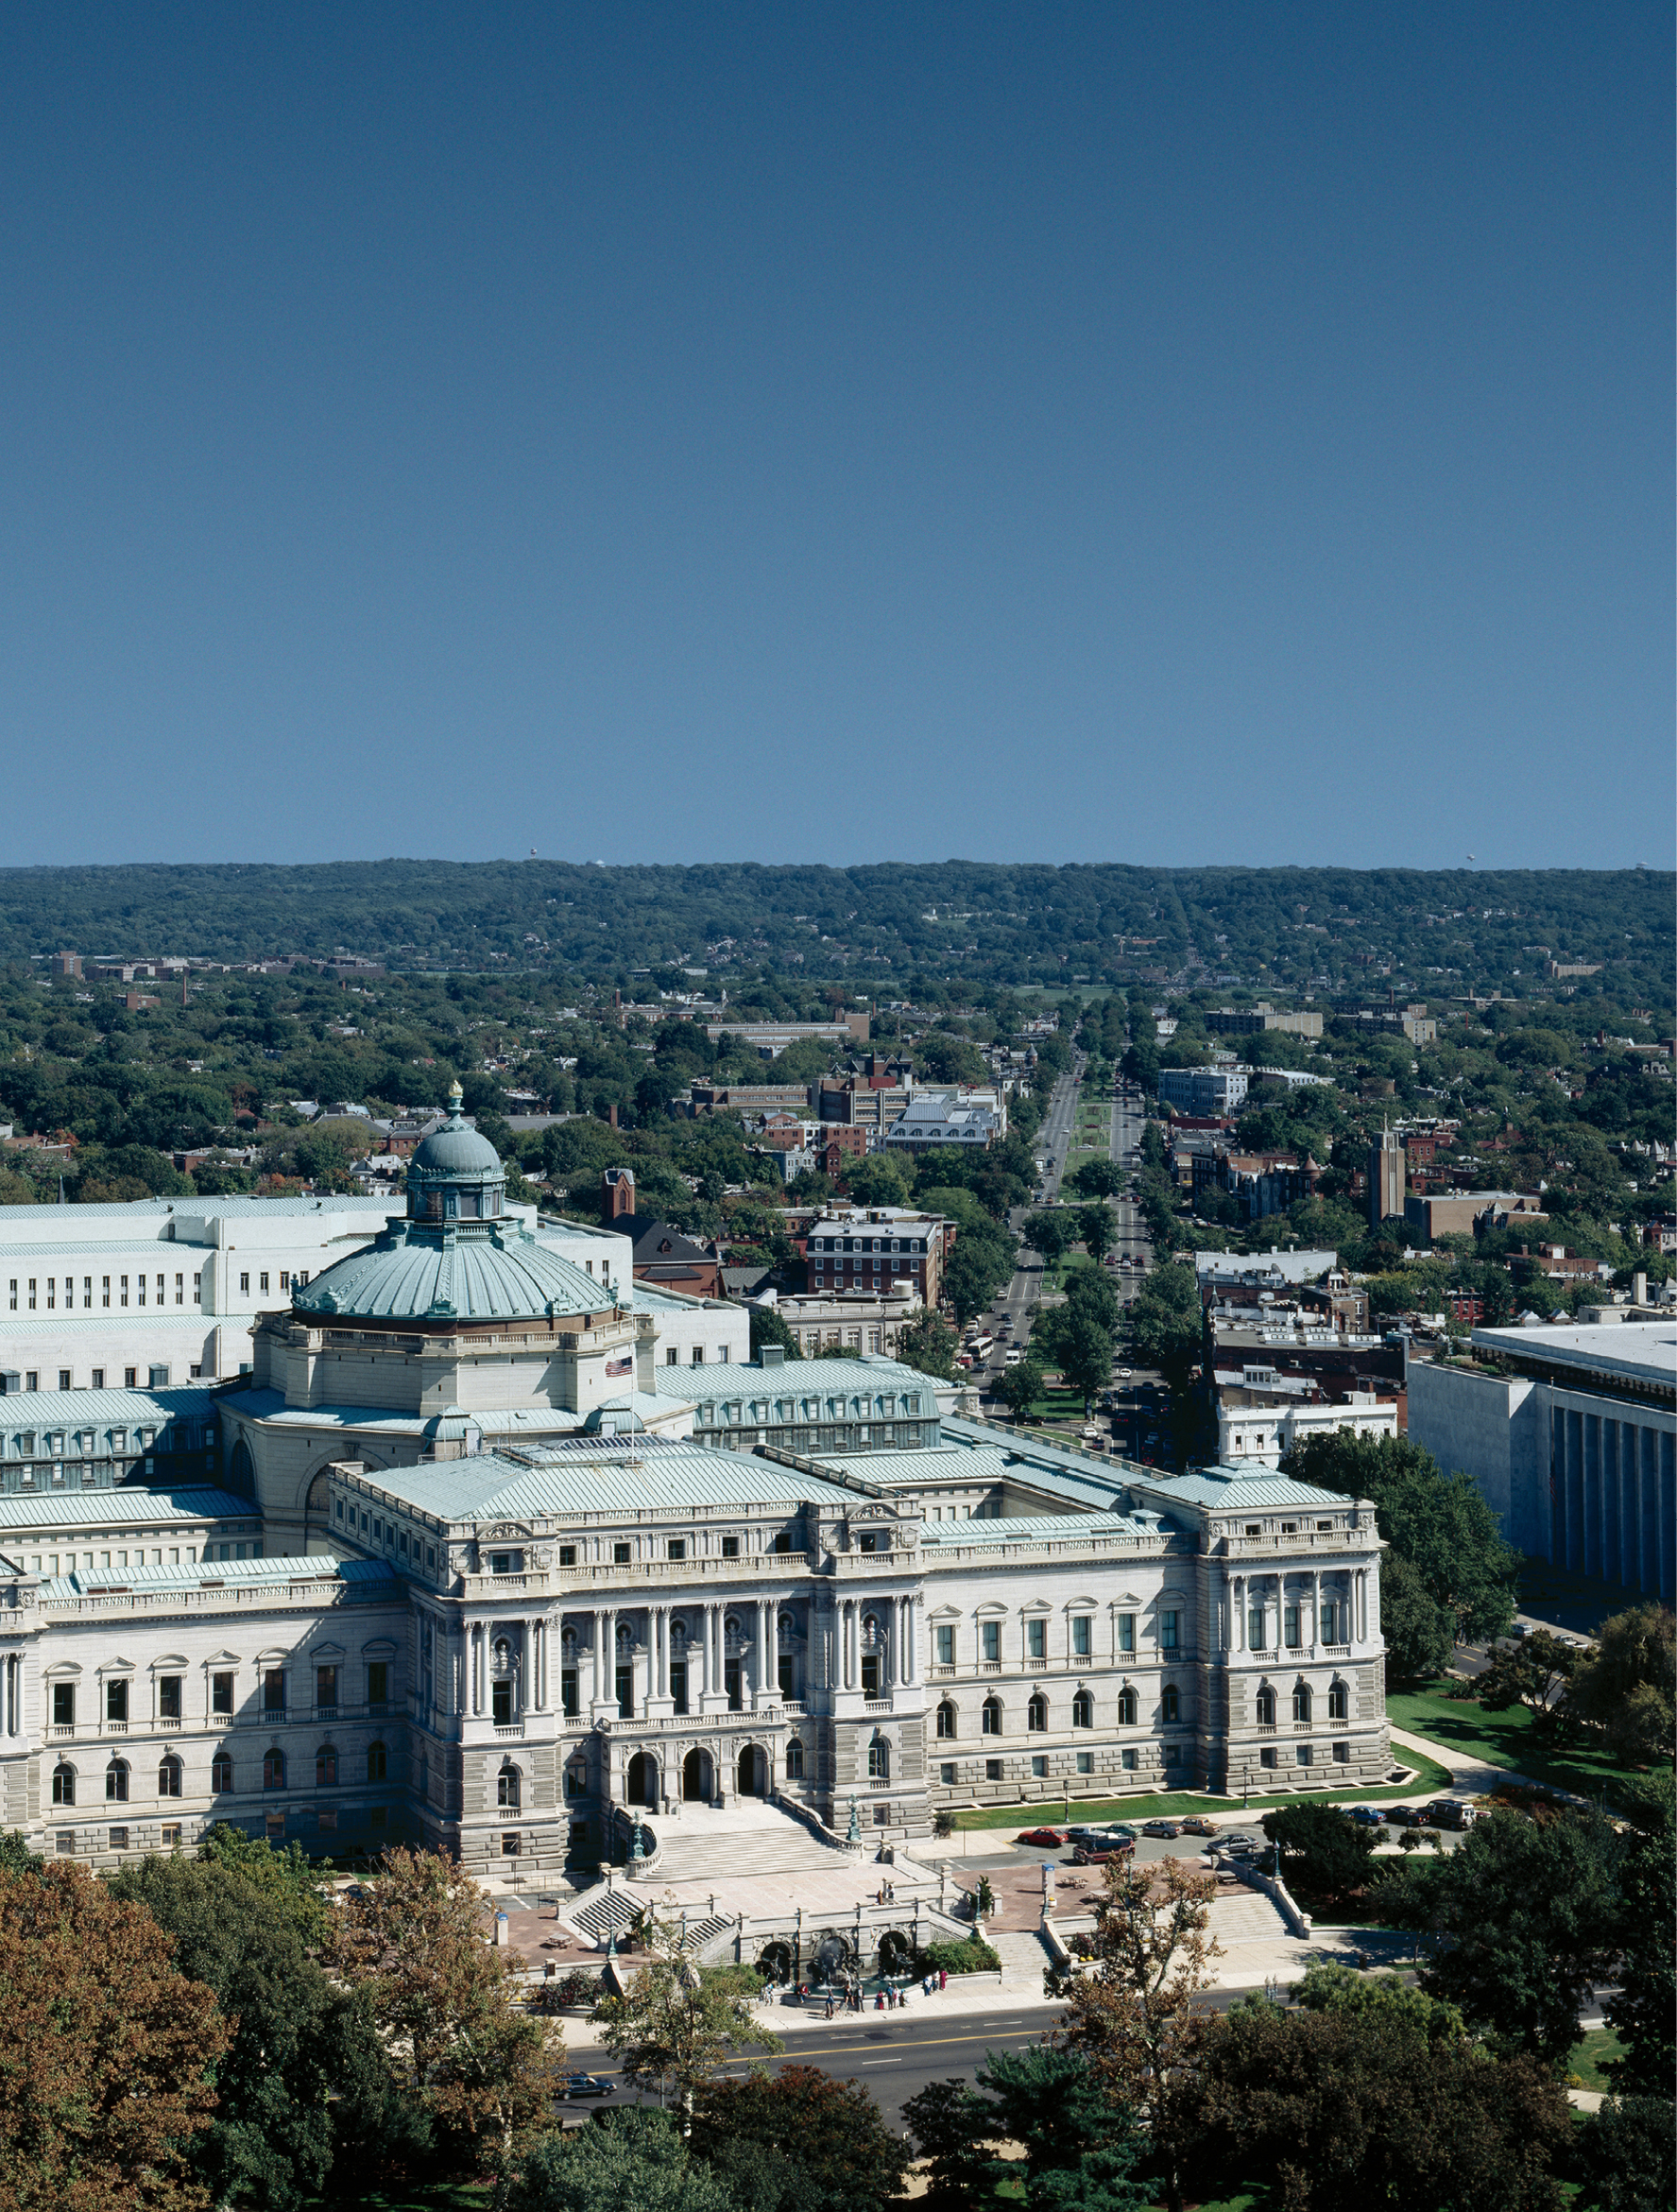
[119, 1839]
[946, 1646]
[128, 1375]
[64, 1701]
[274, 1823]
[1128, 1760]
[264, 1280]
[946, 1775]
[731, 1546]
[678, 1684]
[168, 1697]
[990, 1641]
[378, 1682]
[622, 1554]
[244, 1282]
[326, 1686]
[1126, 1632]
[568, 1704]
[1255, 1627]
[1080, 1635]
[1167, 1631]
[170, 1835]
[1039, 1769]
[63, 1378]
[273, 1691]
[221, 1693]
[1037, 1640]
[1086, 1762]
[677, 1547]
[992, 1769]
[285, 1279]
[116, 1701]
[98, 1379]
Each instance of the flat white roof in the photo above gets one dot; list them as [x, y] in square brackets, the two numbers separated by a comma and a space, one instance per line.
[1643, 1351]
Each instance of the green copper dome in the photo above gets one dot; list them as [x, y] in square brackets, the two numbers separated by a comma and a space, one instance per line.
[479, 1270]
[456, 1257]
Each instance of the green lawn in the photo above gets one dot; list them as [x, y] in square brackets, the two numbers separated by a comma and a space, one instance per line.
[1165, 1803]
[1505, 1739]
[1585, 2062]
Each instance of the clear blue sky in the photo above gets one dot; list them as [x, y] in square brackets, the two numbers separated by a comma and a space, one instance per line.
[838, 433]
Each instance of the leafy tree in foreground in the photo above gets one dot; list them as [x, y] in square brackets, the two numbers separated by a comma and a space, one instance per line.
[1440, 1524]
[1129, 2014]
[1643, 2012]
[1535, 1672]
[1420, 1636]
[1323, 1854]
[1626, 1684]
[674, 2025]
[632, 2161]
[768, 1329]
[107, 2051]
[1530, 1915]
[1627, 2156]
[799, 2141]
[297, 2043]
[1326, 2103]
[412, 1942]
[1021, 1386]
[928, 1344]
[1079, 2147]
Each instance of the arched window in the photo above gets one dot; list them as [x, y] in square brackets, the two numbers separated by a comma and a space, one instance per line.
[378, 1762]
[168, 1777]
[992, 1716]
[241, 1471]
[1126, 1708]
[948, 1724]
[879, 1760]
[221, 1774]
[576, 1781]
[795, 1759]
[64, 1784]
[273, 1768]
[1169, 1703]
[1339, 1703]
[1082, 1711]
[326, 1768]
[1301, 1702]
[116, 1782]
[1266, 1709]
[1037, 1714]
[506, 1789]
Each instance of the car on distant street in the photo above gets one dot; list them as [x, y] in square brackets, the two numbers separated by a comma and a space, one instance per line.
[1406, 1816]
[1044, 1839]
[1196, 1825]
[1161, 1827]
[1102, 1854]
[1450, 1812]
[1013, 1358]
[586, 2086]
[1241, 1845]
[1367, 1816]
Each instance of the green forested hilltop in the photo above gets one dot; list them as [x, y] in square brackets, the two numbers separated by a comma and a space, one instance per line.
[1020, 923]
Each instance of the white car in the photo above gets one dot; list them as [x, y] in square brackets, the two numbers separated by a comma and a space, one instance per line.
[1014, 1356]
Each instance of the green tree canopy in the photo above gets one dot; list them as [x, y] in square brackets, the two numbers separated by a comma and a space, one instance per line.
[632, 2161]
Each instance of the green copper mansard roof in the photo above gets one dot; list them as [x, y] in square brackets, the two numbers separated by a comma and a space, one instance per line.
[488, 1272]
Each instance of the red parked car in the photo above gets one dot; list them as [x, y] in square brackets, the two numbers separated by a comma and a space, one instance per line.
[1044, 1839]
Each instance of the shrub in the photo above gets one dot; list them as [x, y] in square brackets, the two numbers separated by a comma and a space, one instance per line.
[974, 1956]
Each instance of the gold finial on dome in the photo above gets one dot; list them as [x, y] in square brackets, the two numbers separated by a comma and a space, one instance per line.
[456, 1098]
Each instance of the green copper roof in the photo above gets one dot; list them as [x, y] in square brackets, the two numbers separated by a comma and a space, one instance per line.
[478, 1270]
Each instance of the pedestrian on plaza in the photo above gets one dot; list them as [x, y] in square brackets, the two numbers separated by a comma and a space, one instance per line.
[829, 2007]
[943, 1979]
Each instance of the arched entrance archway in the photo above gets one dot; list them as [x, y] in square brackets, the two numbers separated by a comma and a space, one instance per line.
[317, 1513]
[697, 1783]
[896, 1952]
[753, 1781]
[774, 1962]
[642, 1781]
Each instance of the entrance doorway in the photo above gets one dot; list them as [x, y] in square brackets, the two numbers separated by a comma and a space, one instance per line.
[753, 1773]
[643, 1779]
[697, 1784]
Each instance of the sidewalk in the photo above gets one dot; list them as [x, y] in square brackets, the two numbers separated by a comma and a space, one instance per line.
[1473, 1779]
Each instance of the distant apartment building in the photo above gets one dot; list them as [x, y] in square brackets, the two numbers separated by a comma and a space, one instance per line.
[856, 1321]
[1443, 1213]
[1202, 1092]
[1262, 1183]
[1254, 1021]
[878, 1248]
[937, 1118]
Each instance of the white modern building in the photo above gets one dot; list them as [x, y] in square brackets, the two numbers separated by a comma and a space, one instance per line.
[1569, 1432]
[1265, 1431]
[1201, 1093]
[497, 1594]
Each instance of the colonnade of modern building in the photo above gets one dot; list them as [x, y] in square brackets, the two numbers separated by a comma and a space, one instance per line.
[1612, 1482]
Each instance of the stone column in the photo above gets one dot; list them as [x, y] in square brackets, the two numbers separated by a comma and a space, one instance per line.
[1315, 1636]
[1236, 1585]
[911, 1639]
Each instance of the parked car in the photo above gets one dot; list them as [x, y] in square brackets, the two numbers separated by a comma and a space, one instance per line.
[586, 2086]
[1368, 1816]
[1241, 1845]
[1406, 1816]
[1100, 1854]
[1044, 1839]
[1161, 1827]
[1197, 1825]
[1015, 1358]
[1450, 1812]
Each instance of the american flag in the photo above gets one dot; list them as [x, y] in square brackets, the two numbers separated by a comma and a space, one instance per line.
[622, 1364]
